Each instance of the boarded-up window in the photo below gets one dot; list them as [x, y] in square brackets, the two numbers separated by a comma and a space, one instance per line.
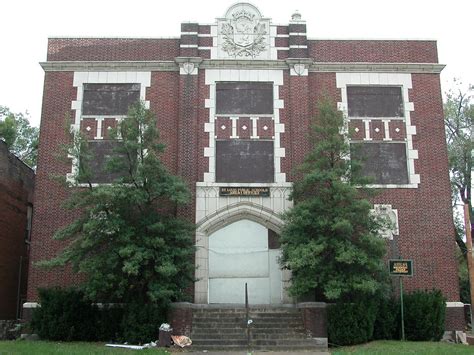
[374, 101]
[384, 163]
[244, 161]
[252, 98]
[109, 99]
[101, 152]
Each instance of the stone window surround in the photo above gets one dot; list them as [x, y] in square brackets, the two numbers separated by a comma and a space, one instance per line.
[214, 75]
[102, 77]
[385, 79]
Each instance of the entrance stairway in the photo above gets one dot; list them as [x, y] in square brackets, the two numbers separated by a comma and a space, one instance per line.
[275, 328]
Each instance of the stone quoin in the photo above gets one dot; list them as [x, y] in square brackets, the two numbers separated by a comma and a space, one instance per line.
[233, 101]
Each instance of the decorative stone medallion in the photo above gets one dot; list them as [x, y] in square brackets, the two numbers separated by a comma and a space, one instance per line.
[243, 33]
[390, 217]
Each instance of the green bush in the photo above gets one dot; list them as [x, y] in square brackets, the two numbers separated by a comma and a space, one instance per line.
[424, 313]
[351, 323]
[64, 315]
[109, 323]
[387, 321]
[141, 322]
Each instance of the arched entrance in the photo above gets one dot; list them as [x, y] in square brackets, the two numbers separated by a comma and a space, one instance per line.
[240, 253]
[238, 245]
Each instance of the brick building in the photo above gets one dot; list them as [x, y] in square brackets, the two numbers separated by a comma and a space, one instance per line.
[233, 101]
[17, 183]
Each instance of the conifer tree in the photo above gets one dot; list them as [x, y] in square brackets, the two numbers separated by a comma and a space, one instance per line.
[126, 238]
[330, 239]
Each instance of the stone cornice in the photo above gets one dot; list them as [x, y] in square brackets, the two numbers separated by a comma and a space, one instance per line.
[432, 68]
[242, 64]
[110, 66]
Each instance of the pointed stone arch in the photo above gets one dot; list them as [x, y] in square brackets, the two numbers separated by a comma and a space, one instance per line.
[237, 211]
[220, 219]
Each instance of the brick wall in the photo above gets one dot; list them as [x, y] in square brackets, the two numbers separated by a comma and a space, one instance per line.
[49, 214]
[17, 182]
[372, 51]
[101, 49]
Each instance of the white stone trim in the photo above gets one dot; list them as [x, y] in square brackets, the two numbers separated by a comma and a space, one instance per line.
[215, 75]
[385, 79]
[204, 35]
[31, 305]
[297, 33]
[189, 33]
[297, 46]
[282, 36]
[454, 304]
[188, 46]
[113, 77]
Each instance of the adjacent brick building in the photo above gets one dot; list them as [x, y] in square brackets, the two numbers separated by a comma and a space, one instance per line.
[17, 183]
[233, 101]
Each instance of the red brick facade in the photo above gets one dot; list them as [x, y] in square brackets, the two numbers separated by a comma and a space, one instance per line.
[180, 96]
[17, 182]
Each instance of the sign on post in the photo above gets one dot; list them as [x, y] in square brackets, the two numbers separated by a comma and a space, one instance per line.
[400, 267]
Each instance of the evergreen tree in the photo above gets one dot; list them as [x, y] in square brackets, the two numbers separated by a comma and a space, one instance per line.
[126, 238]
[330, 239]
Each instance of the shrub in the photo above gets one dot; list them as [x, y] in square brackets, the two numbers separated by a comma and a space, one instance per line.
[141, 322]
[109, 323]
[64, 315]
[424, 315]
[387, 320]
[351, 323]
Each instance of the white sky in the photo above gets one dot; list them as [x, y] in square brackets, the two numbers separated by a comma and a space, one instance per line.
[26, 26]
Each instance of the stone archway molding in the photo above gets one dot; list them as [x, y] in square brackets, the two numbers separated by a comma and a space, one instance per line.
[237, 211]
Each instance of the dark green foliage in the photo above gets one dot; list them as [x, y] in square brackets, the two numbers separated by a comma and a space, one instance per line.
[387, 321]
[64, 315]
[109, 323]
[425, 313]
[21, 138]
[330, 239]
[141, 322]
[351, 323]
[126, 237]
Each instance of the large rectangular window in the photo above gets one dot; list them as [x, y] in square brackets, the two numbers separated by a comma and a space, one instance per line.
[384, 163]
[374, 101]
[244, 161]
[246, 98]
[109, 99]
[101, 152]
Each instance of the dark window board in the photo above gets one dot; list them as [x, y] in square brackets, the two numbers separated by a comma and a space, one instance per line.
[251, 98]
[384, 163]
[244, 161]
[375, 101]
[109, 99]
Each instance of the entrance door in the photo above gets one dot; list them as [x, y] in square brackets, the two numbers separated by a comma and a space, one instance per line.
[239, 253]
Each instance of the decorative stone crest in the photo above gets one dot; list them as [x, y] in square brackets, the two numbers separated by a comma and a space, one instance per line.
[390, 216]
[243, 33]
[299, 69]
[188, 67]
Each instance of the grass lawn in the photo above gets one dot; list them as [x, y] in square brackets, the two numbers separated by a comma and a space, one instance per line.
[406, 347]
[51, 347]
